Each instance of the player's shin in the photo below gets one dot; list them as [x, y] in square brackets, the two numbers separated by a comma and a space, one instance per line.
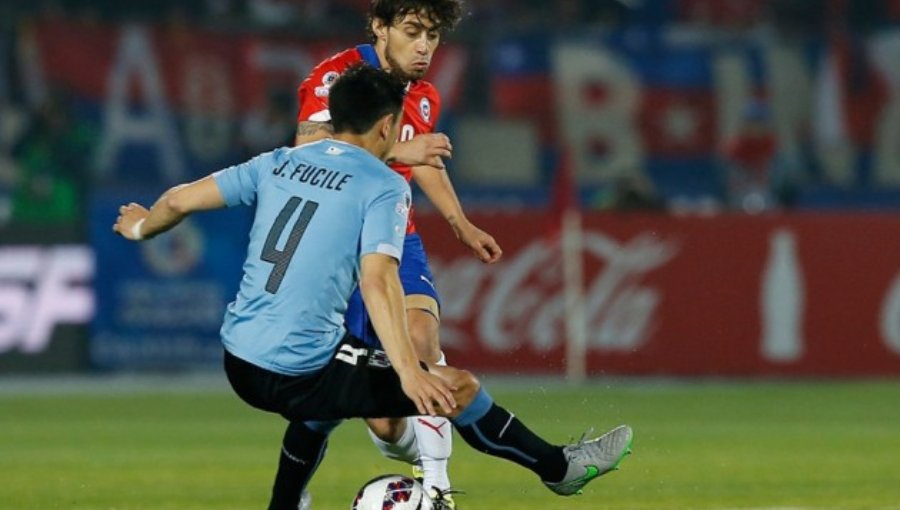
[435, 439]
[301, 452]
[404, 449]
[491, 429]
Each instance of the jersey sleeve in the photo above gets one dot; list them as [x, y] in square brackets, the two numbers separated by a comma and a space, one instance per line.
[238, 184]
[384, 224]
[312, 94]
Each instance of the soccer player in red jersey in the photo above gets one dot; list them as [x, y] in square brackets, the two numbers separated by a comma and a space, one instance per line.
[405, 35]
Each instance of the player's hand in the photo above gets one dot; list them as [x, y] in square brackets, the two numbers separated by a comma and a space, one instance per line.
[425, 149]
[482, 244]
[426, 390]
[128, 217]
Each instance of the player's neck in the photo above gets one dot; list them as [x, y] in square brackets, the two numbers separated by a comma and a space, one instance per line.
[382, 59]
[367, 142]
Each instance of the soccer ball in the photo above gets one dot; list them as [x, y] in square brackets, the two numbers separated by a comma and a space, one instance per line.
[392, 492]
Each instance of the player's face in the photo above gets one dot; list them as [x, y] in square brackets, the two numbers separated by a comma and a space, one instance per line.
[409, 44]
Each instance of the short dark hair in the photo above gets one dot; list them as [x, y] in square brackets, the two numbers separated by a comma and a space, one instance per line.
[445, 14]
[361, 96]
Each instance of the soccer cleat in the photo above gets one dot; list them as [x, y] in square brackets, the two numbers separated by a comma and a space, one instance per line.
[305, 501]
[443, 499]
[590, 459]
[440, 499]
[418, 473]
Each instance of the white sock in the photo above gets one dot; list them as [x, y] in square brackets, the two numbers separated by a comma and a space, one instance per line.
[434, 436]
[405, 449]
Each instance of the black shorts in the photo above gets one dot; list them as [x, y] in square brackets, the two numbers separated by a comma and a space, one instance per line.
[358, 382]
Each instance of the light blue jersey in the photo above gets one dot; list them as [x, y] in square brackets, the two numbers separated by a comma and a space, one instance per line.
[319, 208]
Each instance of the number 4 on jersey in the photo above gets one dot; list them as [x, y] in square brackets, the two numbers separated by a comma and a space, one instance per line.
[282, 258]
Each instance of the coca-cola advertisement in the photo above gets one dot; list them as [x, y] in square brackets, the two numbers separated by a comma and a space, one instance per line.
[667, 295]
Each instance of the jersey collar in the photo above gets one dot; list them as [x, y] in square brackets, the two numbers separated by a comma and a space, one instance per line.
[367, 51]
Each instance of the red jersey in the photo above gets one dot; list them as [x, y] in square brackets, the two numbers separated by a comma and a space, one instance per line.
[421, 107]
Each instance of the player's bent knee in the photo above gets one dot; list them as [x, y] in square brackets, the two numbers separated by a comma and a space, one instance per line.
[465, 383]
[389, 430]
[467, 386]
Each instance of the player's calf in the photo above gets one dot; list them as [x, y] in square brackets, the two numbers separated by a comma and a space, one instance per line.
[492, 429]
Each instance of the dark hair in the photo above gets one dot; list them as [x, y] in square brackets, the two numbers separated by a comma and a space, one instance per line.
[361, 96]
[445, 14]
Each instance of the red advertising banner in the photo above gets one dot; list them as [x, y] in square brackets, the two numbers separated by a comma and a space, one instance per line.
[195, 70]
[727, 295]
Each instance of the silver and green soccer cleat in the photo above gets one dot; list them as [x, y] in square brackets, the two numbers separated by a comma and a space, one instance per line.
[590, 459]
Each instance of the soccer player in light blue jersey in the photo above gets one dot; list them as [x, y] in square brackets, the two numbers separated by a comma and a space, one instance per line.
[330, 216]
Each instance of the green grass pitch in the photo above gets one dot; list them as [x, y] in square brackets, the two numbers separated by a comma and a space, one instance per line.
[698, 445]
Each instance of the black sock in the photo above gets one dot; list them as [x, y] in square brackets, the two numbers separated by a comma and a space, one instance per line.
[499, 433]
[301, 452]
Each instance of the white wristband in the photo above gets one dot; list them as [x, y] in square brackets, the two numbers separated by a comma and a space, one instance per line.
[136, 229]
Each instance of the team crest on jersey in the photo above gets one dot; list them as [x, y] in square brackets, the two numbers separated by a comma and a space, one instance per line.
[425, 109]
[402, 208]
[327, 81]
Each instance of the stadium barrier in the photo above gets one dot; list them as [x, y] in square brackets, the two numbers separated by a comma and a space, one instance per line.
[774, 295]
[46, 298]
[777, 295]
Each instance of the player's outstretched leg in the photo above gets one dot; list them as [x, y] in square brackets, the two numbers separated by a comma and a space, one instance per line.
[491, 429]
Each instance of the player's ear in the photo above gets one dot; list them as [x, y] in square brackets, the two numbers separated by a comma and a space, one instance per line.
[388, 123]
[379, 28]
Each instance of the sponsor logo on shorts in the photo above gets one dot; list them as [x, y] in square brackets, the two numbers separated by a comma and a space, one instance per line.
[350, 354]
[379, 359]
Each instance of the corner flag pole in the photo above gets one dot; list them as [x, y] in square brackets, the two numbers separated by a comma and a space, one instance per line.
[573, 278]
[572, 246]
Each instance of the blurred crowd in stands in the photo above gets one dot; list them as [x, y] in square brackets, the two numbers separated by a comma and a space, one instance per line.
[45, 152]
[346, 16]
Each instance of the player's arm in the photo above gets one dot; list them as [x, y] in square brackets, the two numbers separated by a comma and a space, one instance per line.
[437, 187]
[424, 149]
[427, 149]
[135, 222]
[231, 186]
[383, 296]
